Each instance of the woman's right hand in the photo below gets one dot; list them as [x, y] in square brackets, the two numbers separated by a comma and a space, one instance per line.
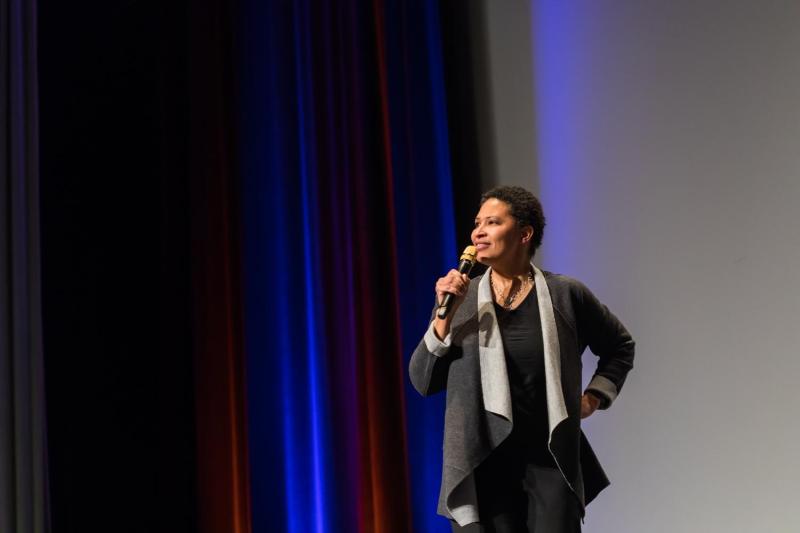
[454, 283]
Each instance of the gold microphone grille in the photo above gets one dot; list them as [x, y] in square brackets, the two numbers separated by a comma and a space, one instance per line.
[469, 254]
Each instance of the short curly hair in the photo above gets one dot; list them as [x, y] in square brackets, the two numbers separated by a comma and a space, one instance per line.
[524, 207]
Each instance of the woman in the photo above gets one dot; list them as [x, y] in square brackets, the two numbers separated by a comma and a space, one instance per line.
[509, 356]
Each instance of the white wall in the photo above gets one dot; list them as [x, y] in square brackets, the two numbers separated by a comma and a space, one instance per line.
[664, 140]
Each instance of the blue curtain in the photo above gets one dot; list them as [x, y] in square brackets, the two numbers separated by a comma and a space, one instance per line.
[426, 238]
[347, 222]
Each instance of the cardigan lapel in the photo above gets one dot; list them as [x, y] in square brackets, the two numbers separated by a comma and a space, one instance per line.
[556, 407]
[494, 374]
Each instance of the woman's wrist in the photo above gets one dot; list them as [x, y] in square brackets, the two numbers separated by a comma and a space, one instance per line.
[590, 402]
[441, 326]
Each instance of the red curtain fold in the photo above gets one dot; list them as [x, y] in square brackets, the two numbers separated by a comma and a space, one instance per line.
[223, 500]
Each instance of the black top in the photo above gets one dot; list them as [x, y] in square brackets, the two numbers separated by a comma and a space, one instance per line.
[521, 330]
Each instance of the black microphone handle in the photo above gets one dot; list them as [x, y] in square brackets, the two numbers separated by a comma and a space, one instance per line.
[464, 267]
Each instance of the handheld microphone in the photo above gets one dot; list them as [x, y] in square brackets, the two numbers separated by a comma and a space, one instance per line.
[464, 266]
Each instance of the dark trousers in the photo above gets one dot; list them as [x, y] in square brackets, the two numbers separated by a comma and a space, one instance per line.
[517, 496]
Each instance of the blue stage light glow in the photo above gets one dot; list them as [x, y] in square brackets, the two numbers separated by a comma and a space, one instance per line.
[555, 50]
[308, 174]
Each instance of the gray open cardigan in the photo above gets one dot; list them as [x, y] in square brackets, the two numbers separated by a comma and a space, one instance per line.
[470, 364]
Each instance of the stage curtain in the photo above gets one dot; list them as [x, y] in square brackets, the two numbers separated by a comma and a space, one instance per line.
[23, 457]
[424, 217]
[222, 466]
[347, 222]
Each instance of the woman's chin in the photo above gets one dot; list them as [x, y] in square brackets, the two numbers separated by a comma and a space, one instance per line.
[484, 259]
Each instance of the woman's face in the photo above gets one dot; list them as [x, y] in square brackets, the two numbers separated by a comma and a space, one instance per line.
[496, 235]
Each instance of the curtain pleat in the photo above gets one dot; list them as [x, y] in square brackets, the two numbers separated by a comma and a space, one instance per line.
[23, 458]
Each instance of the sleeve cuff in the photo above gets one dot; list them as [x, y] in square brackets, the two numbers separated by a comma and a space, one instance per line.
[434, 345]
[605, 388]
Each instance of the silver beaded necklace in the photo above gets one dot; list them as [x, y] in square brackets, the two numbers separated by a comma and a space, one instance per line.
[510, 299]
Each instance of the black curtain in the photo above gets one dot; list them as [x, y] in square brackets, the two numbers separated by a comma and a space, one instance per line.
[23, 458]
[115, 265]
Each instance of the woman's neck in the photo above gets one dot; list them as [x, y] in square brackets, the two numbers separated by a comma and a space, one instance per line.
[512, 270]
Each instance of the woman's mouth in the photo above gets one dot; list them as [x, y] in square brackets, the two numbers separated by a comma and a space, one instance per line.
[482, 246]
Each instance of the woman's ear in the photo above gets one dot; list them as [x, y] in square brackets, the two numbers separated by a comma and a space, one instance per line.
[527, 234]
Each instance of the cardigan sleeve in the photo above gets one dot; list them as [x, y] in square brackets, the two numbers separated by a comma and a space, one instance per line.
[608, 339]
[430, 362]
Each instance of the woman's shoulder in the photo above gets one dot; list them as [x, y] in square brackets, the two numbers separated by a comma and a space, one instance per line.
[562, 281]
[567, 292]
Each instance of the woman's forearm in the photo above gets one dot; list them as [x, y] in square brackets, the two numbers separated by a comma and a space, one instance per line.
[442, 326]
